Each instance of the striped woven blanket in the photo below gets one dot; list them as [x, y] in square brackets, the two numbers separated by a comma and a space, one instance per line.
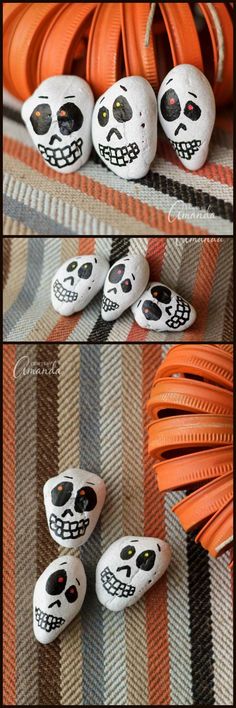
[170, 200]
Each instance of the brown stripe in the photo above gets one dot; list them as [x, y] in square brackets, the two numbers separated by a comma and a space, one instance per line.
[47, 551]
[6, 259]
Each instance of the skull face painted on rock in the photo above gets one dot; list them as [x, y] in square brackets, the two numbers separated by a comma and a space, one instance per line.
[124, 127]
[186, 107]
[58, 596]
[163, 310]
[58, 117]
[73, 502]
[125, 281]
[128, 568]
[77, 282]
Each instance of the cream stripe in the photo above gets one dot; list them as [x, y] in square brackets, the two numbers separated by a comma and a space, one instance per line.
[17, 272]
[11, 227]
[133, 516]
[112, 465]
[219, 294]
[71, 664]
[222, 630]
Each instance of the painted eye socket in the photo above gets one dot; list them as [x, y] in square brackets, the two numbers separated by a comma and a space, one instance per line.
[71, 594]
[103, 116]
[127, 552]
[85, 271]
[86, 499]
[170, 105]
[192, 111]
[146, 560]
[161, 293]
[126, 285]
[41, 118]
[72, 266]
[56, 582]
[70, 118]
[150, 310]
[61, 493]
[122, 110]
[116, 273]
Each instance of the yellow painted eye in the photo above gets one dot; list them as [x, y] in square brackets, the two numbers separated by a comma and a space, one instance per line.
[118, 104]
[37, 113]
[130, 553]
[146, 554]
[104, 114]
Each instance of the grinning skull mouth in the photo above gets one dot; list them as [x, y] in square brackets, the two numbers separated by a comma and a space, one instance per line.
[181, 315]
[108, 305]
[62, 293]
[62, 157]
[68, 529]
[186, 150]
[114, 586]
[47, 622]
[119, 156]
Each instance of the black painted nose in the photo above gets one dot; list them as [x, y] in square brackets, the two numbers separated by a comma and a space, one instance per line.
[53, 138]
[112, 290]
[181, 125]
[111, 131]
[56, 602]
[124, 567]
[67, 511]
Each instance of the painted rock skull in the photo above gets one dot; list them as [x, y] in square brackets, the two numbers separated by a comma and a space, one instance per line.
[124, 127]
[186, 107]
[162, 309]
[58, 596]
[58, 117]
[77, 282]
[73, 502]
[124, 283]
[128, 568]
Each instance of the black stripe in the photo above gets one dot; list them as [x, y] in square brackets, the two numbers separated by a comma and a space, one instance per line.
[102, 329]
[200, 623]
[188, 195]
[13, 114]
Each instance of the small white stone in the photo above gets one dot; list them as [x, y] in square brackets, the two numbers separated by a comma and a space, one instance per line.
[124, 283]
[124, 127]
[73, 503]
[58, 115]
[58, 597]
[186, 107]
[128, 568]
[77, 282]
[161, 309]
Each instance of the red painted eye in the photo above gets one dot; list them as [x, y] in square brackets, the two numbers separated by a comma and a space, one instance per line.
[61, 580]
[63, 113]
[171, 100]
[190, 107]
[72, 590]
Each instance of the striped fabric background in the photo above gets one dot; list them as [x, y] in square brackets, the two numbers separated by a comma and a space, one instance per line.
[200, 269]
[175, 646]
[94, 201]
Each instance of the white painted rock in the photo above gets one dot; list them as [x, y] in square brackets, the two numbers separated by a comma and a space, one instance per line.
[58, 597]
[124, 127]
[73, 502]
[58, 117]
[186, 107]
[128, 568]
[124, 283]
[163, 310]
[77, 282]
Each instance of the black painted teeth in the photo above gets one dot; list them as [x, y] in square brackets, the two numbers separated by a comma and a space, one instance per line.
[108, 305]
[114, 586]
[68, 529]
[62, 293]
[47, 622]
[182, 314]
[61, 157]
[119, 156]
[186, 150]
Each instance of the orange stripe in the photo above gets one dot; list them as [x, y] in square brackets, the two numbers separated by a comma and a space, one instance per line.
[156, 218]
[155, 256]
[203, 288]
[211, 170]
[154, 525]
[65, 325]
[9, 608]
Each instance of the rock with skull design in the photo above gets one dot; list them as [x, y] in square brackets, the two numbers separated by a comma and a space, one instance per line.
[73, 502]
[58, 597]
[124, 127]
[163, 310]
[58, 117]
[128, 568]
[186, 107]
[124, 283]
[77, 282]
